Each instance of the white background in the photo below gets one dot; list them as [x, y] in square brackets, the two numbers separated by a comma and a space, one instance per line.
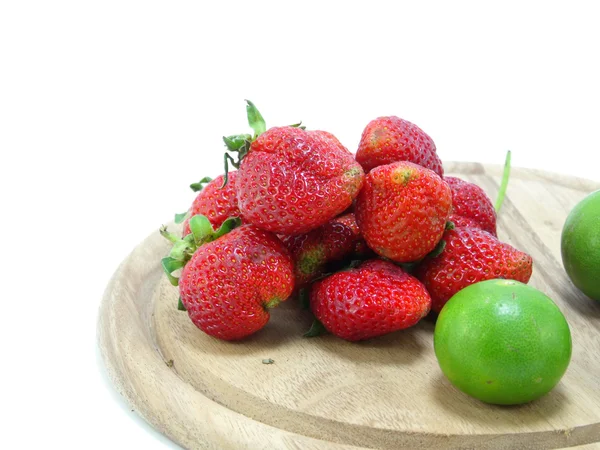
[109, 109]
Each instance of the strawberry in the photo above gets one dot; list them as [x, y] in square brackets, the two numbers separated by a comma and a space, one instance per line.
[230, 279]
[469, 256]
[463, 222]
[374, 299]
[389, 139]
[337, 239]
[402, 210]
[471, 206]
[360, 249]
[291, 181]
[215, 201]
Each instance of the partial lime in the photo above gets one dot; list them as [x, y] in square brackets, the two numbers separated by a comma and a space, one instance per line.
[580, 245]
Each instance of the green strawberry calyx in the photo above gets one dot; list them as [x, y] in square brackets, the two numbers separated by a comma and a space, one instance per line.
[179, 218]
[239, 144]
[437, 250]
[200, 184]
[316, 329]
[202, 232]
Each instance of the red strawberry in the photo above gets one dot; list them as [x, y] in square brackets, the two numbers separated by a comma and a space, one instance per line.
[330, 139]
[360, 249]
[470, 255]
[216, 202]
[402, 210]
[375, 299]
[291, 181]
[463, 222]
[389, 139]
[230, 283]
[335, 240]
[469, 201]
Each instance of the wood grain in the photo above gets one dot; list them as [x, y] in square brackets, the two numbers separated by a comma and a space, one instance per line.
[324, 393]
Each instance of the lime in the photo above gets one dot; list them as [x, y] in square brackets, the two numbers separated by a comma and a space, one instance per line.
[580, 245]
[502, 342]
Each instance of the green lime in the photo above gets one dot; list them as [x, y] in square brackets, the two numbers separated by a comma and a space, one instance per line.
[502, 342]
[580, 245]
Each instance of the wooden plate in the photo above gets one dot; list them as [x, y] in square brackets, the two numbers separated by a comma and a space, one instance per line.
[324, 393]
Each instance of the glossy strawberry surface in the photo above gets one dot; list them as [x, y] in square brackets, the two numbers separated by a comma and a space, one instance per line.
[293, 181]
[229, 285]
[389, 139]
[402, 210]
[470, 255]
[360, 249]
[372, 300]
[463, 222]
[216, 203]
[337, 239]
[471, 202]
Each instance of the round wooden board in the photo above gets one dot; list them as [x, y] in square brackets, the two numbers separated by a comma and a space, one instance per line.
[325, 393]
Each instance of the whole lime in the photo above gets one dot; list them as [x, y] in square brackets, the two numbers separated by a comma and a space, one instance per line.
[502, 342]
[580, 245]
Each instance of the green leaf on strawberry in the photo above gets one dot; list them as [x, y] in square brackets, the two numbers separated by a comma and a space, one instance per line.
[298, 125]
[304, 297]
[170, 265]
[179, 218]
[236, 142]
[240, 143]
[316, 329]
[201, 228]
[255, 119]
[202, 232]
[200, 184]
[439, 248]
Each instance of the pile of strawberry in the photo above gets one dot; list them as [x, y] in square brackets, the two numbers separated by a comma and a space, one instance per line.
[371, 243]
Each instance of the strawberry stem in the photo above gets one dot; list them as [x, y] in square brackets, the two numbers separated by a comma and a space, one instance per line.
[228, 159]
[167, 235]
[504, 184]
